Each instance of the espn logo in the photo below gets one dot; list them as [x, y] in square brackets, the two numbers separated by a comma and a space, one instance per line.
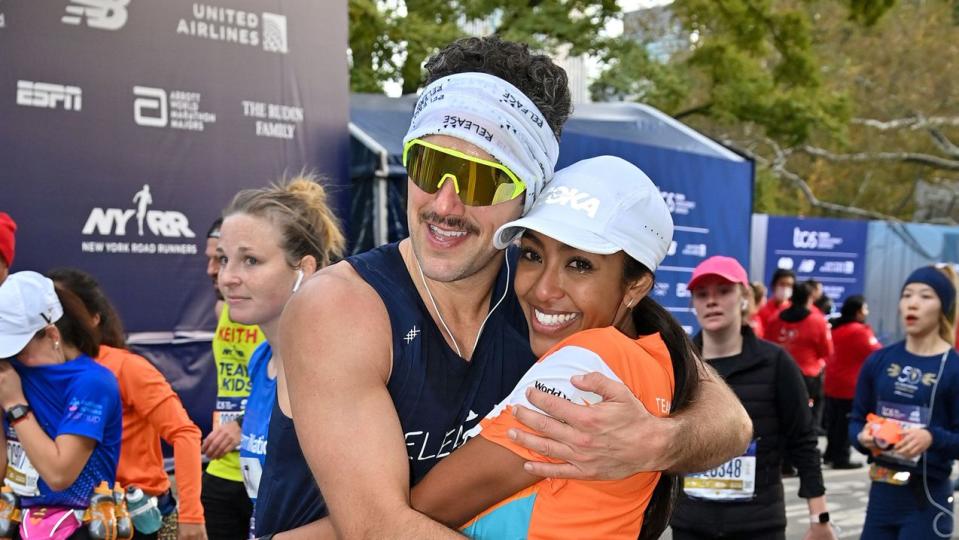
[49, 95]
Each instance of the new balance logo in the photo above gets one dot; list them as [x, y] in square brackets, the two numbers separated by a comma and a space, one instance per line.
[101, 14]
[49, 95]
[411, 335]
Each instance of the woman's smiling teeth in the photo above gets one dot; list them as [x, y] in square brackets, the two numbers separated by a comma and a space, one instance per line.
[557, 319]
[446, 233]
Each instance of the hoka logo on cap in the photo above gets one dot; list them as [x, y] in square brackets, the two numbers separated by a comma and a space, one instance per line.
[574, 198]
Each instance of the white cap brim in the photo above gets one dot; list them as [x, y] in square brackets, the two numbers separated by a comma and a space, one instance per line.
[11, 344]
[576, 237]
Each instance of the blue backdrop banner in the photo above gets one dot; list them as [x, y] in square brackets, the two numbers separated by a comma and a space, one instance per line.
[127, 126]
[832, 251]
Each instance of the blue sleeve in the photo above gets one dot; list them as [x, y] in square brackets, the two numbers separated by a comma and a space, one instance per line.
[92, 400]
[945, 434]
[864, 401]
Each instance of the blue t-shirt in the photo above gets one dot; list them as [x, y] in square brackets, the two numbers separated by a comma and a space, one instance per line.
[897, 384]
[78, 397]
[256, 419]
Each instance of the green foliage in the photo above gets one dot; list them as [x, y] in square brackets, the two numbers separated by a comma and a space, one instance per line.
[391, 43]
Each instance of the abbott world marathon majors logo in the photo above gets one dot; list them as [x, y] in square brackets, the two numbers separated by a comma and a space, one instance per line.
[115, 225]
[176, 109]
[229, 25]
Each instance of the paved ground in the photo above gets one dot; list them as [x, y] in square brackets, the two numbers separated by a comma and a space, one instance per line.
[847, 493]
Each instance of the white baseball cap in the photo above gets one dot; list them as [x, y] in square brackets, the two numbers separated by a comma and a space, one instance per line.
[600, 205]
[28, 303]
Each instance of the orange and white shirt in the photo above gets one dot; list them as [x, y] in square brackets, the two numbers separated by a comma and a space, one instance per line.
[558, 508]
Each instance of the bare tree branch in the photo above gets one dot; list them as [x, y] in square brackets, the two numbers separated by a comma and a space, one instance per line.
[913, 122]
[906, 157]
[778, 167]
[948, 147]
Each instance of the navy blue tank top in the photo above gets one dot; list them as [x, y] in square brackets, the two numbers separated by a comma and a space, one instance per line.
[438, 395]
[288, 496]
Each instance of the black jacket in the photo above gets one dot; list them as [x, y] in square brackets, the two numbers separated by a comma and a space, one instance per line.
[771, 388]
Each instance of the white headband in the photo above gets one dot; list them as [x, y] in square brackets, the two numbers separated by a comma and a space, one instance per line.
[494, 115]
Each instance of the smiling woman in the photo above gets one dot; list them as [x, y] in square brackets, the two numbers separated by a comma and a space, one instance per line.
[589, 247]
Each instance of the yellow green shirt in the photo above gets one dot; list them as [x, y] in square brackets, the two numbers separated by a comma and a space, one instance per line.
[233, 345]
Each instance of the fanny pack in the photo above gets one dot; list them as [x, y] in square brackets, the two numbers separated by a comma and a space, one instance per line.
[53, 522]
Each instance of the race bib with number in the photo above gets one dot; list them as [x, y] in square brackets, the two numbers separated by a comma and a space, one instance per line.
[21, 475]
[221, 418]
[734, 480]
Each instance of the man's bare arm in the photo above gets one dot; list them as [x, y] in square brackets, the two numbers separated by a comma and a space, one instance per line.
[335, 345]
[619, 437]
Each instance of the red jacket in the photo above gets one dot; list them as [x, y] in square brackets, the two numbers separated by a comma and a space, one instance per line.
[806, 339]
[852, 343]
[770, 311]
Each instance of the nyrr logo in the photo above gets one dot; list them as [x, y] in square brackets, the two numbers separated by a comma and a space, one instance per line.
[574, 198]
[101, 14]
[113, 221]
[49, 95]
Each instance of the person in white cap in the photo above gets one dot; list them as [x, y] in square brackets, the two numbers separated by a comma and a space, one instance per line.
[417, 341]
[590, 247]
[62, 410]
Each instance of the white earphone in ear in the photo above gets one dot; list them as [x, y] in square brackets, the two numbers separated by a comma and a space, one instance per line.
[744, 305]
[630, 303]
[299, 280]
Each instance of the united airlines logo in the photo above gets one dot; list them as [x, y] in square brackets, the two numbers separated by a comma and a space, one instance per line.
[100, 14]
[411, 335]
[49, 95]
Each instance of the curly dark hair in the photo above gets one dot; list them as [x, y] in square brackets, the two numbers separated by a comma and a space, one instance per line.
[535, 75]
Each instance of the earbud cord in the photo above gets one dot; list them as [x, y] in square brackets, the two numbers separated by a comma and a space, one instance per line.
[440, 315]
[925, 481]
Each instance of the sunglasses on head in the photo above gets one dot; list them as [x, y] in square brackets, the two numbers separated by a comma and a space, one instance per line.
[478, 182]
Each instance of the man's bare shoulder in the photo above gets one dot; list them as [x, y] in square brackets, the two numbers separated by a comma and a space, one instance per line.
[339, 288]
[337, 315]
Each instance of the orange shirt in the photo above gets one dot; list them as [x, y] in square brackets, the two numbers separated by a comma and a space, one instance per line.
[151, 409]
[555, 508]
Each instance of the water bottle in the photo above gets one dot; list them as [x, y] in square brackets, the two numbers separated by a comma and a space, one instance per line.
[124, 523]
[9, 513]
[143, 509]
[102, 513]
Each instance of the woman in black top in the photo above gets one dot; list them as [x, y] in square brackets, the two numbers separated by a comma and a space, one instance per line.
[744, 497]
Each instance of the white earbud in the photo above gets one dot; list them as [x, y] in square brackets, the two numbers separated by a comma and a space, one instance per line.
[744, 305]
[299, 280]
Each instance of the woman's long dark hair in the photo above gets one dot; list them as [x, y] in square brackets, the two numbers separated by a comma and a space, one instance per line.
[850, 310]
[85, 286]
[649, 317]
[74, 325]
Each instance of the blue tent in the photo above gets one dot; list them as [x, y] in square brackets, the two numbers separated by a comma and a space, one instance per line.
[707, 187]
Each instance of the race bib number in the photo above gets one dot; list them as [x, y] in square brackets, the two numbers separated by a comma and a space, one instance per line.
[252, 470]
[734, 480]
[221, 418]
[21, 476]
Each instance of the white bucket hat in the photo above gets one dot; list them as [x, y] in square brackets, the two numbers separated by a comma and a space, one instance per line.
[600, 205]
[28, 303]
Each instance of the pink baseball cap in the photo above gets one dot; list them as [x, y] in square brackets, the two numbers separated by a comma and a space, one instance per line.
[727, 268]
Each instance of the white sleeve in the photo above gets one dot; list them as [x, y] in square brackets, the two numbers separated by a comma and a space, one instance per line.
[552, 374]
